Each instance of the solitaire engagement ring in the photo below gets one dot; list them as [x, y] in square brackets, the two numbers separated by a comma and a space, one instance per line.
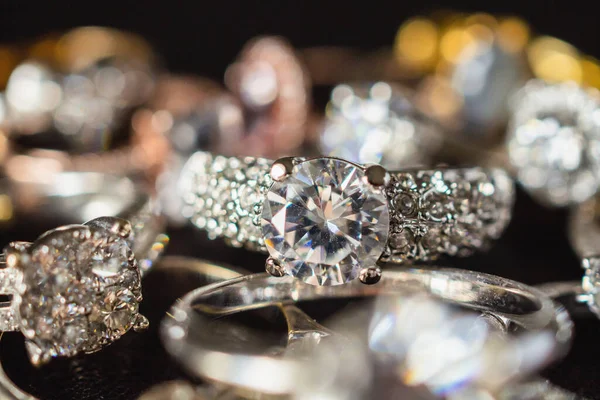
[328, 221]
[77, 288]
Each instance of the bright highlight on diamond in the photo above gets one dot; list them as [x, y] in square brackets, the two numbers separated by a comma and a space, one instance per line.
[324, 223]
[554, 141]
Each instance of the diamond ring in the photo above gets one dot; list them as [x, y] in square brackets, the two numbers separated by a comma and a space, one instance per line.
[554, 141]
[77, 288]
[328, 221]
[196, 331]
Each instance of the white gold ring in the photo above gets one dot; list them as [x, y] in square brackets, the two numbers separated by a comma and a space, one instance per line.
[328, 221]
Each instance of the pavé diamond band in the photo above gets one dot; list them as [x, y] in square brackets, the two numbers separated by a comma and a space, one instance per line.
[77, 288]
[328, 221]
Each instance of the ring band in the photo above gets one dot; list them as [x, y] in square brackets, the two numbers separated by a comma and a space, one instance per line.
[187, 335]
[328, 221]
[90, 274]
[584, 234]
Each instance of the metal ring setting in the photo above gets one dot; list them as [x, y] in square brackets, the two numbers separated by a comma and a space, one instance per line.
[328, 221]
[188, 336]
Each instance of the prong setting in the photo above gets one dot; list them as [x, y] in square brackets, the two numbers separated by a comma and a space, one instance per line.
[282, 168]
[323, 198]
[370, 276]
[123, 228]
[118, 226]
[274, 268]
[377, 176]
[141, 323]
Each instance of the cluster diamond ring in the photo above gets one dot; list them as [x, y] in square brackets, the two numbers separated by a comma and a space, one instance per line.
[328, 221]
[77, 288]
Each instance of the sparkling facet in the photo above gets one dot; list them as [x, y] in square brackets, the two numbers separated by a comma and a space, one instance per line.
[324, 223]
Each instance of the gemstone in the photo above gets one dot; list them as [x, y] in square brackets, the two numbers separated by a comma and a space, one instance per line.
[82, 291]
[402, 240]
[377, 123]
[405, 204]
[434, 206]
[432, 240]
[324, 223]
[554, 142]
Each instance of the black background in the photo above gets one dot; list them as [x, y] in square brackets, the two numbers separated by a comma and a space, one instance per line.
[202, 37]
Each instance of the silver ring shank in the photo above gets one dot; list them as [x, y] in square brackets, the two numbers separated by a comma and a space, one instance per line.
[456, 211]
[187, 333]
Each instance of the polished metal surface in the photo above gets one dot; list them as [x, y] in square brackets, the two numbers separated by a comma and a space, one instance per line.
[189, 332]
[432, 212]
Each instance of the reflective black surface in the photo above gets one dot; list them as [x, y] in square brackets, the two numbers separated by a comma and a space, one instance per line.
[533, 250]
[202, 38]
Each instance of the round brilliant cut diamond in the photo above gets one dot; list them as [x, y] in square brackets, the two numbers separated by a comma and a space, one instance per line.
[324, 223]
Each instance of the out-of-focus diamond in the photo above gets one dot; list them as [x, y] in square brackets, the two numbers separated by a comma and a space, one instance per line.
[377, 123]
[96, 100]
[414, 346]
[485, 76]
[32, 93]
[271, 85]
[86, 106]
[554, 141]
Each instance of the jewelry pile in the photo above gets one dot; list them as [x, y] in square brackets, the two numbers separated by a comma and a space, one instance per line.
[413, 162]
